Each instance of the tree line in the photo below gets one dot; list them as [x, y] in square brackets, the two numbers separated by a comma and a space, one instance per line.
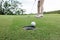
[11, 7]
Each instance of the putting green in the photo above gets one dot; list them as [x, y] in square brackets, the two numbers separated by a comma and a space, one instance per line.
[48, 27]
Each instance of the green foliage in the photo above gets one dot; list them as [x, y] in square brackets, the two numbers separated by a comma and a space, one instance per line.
[10, 7]
[1, 9]
[18, 12]
[6, 4]
[22, 11]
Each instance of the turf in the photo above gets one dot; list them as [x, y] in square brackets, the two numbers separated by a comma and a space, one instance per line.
[47, 27]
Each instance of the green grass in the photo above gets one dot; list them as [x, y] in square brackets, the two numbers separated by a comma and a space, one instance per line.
[48, 27]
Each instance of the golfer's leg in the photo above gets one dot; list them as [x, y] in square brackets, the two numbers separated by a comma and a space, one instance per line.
[40, 8]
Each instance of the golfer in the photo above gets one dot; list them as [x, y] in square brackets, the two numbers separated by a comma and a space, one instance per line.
[40, 8]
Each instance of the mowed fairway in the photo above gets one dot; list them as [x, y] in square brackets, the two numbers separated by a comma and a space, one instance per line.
[47, 28]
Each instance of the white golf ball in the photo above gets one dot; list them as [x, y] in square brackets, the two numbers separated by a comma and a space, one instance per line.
[33, 23]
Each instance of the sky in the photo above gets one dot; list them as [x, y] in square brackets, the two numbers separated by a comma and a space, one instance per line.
[31, 5]
[49, 5]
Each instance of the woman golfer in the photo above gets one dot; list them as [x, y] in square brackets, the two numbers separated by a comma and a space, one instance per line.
[40, 8]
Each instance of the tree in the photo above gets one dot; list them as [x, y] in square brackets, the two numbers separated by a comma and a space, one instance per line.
[6, 8]
[18, 12]
[22, 11]
[10, 7]
[15, 6]
[1, 9]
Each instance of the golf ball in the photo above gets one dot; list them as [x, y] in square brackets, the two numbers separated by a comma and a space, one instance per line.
[33, 23]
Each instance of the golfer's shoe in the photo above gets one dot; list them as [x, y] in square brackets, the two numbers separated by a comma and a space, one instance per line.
[39, 15]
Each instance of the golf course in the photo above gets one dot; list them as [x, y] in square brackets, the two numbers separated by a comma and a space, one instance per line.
[47, 27]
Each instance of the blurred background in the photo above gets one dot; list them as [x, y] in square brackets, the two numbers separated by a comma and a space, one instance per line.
[17, 7]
